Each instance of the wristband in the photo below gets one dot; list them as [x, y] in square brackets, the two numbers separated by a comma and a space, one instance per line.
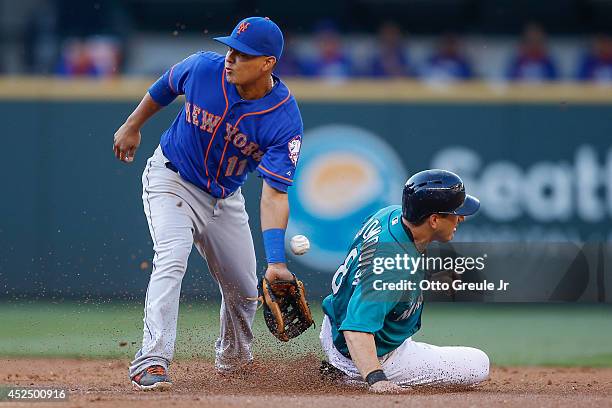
[274, 244]
[376, 376]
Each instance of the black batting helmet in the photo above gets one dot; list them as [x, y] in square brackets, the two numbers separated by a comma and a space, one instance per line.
[436, 192]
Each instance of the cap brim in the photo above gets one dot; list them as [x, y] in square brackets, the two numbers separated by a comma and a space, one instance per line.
[469, 207]
[237, 45]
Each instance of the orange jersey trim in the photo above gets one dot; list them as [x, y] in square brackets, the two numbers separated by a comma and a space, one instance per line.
[217, 128]
[236, 126]
[170, 79]
[219, 168]
[274, 174]
[264, 111]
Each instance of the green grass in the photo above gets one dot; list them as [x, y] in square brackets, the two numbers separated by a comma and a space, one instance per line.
[564, 334]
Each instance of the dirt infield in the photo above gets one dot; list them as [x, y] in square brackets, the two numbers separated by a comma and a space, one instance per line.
[104, 383]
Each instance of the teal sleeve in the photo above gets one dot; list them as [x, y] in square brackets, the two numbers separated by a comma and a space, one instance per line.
[368, 307]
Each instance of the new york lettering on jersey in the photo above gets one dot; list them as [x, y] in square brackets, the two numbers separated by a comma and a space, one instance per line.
[218, 138]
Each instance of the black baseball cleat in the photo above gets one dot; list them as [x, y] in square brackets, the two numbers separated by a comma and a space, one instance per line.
[152, 378]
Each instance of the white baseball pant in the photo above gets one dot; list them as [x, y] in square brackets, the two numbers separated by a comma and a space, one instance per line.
[415, 363]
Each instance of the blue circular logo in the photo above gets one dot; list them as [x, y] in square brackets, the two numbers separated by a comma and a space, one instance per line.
[345, 174]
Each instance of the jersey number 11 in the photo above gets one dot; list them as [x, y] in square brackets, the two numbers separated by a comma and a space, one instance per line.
[231, 166]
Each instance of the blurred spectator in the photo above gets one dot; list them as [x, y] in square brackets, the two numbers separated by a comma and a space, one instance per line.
[330, 62]
[289, 64]
[105, 54]
[532, 62]
[448, 62]
[390, 59]
[596, 65]
[95, 57]
[75, 59]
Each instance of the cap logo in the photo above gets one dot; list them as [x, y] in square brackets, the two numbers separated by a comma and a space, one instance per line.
[242, 27]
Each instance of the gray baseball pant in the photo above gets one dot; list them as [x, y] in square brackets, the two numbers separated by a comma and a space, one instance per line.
[181, 215]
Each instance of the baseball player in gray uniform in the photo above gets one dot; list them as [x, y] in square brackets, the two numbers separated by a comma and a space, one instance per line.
[237, 117]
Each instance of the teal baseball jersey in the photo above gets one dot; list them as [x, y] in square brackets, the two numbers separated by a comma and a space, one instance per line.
[372, 290]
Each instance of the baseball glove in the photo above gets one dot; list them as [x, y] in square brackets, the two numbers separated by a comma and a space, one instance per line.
[285, 308]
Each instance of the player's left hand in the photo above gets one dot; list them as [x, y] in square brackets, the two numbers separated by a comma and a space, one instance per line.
[285, 308]
[278, 271]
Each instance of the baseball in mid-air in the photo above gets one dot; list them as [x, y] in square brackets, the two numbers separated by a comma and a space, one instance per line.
[299, 244]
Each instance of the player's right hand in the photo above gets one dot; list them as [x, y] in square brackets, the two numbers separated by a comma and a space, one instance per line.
[126, 141]
[386, 387]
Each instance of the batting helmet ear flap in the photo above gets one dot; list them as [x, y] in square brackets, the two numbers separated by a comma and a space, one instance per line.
[436, 191]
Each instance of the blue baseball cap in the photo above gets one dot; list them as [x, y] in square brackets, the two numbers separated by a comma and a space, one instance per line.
[256, 36]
